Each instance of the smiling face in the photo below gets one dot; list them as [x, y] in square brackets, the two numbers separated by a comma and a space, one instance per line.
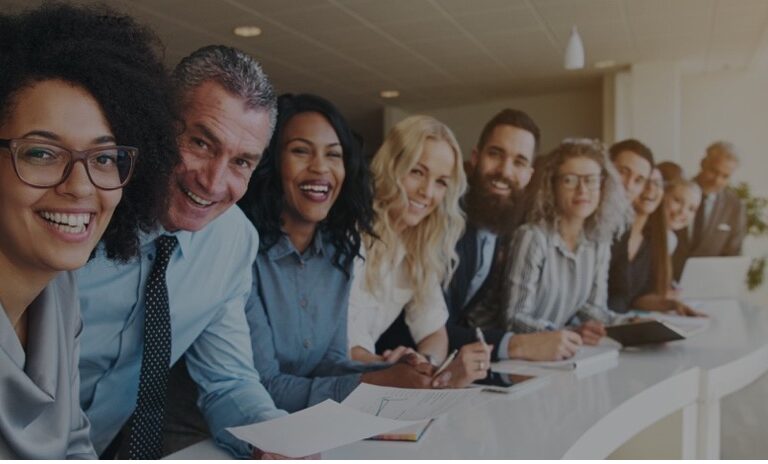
[680, 205]
[425, 184]
[220, 147]
[503, 166]
[716, 172]
[650, 199]
[578, 200]
[312, 168]
[53, 229]
[634, 171]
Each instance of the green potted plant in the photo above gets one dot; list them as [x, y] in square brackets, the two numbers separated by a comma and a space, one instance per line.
[757, 226]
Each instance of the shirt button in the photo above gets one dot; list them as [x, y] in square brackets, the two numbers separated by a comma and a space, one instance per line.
[301, 264]
[303, 302]
[150, 256]
[306, 343]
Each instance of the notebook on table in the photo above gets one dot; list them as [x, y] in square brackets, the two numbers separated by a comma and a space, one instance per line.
[651, 332]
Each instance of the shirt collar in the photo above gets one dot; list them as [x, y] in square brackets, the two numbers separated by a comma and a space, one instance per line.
[184, 237]
[560, 244]
[284, 247]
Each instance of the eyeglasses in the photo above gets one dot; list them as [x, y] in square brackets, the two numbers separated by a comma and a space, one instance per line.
[44, 164]
[572, 181]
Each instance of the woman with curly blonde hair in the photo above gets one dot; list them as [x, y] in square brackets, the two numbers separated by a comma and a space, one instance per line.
[418, 181]
[557, 270]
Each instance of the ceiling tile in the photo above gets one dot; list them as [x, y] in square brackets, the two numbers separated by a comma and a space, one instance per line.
[420, 29]
[667, 8]
[314, 17]
[388, 11]
[458, 7]
[579, 12]
[491, 22]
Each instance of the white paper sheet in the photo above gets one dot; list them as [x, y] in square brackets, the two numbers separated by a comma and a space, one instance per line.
[406, 403]
[587, 355]
[320, 428]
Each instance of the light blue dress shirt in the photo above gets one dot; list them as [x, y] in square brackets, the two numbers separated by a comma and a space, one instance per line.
[209, 281]
[298, 318]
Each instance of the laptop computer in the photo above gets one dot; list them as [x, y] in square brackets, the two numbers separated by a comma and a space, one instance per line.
[714, 277]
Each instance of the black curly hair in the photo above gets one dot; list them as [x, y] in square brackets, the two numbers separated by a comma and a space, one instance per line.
[351, 214]
[119, 62]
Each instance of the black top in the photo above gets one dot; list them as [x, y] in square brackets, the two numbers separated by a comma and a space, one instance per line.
[627, 279]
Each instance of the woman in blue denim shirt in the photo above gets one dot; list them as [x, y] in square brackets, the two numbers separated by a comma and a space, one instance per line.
[309, 199]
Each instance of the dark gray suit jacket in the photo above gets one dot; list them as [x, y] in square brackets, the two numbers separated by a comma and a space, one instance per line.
[721, 236]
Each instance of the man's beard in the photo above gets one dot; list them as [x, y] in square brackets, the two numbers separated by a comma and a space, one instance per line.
[488, 210]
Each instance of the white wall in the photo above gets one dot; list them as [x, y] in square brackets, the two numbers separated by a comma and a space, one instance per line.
[729, 105]
[576, 113]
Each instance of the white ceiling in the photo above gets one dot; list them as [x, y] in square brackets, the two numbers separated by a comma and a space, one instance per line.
[444, 52]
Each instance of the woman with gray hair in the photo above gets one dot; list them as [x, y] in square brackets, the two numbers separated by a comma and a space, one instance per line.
[557, 271]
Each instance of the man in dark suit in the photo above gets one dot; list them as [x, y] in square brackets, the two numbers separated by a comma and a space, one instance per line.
[500, 167]
[720, 223]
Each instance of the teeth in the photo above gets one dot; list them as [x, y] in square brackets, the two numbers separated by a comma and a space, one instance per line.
[69, 223]
[500, 185]
[417, 204]
[200, 201]
[314, 188]
[71, 220]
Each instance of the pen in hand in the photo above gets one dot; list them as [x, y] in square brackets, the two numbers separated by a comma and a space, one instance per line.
[445, 363]
[481, 338]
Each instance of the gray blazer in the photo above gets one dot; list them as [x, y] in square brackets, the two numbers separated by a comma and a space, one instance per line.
[40, 416]
[722, 235]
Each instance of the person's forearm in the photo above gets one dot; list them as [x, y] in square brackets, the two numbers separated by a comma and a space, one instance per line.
[435, 345]
[652, 302]
[358, 353]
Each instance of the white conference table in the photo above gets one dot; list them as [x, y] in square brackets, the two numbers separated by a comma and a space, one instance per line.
[577, 415]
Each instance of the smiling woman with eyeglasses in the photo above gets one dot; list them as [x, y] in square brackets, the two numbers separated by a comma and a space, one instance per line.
[78, 103]
[557, 271]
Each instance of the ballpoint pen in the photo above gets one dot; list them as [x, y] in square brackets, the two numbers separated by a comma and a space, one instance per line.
[445, 363]
[481, 338]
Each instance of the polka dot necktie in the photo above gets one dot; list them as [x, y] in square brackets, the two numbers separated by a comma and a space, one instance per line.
[145, 440]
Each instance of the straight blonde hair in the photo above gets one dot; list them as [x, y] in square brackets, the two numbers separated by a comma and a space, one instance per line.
[430, 253]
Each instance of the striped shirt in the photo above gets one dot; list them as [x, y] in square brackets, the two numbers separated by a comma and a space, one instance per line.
[546, 284]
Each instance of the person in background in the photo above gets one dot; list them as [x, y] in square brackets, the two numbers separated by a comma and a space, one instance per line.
[639, 276]
[186, 294]
[681, 201]
[670, 171]
[646, 282]
[557, 271]
[721, 223]
[418, 181]
[81, 109]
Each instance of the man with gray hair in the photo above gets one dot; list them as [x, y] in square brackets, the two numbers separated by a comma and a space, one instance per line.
[186, 293]
[720, 223]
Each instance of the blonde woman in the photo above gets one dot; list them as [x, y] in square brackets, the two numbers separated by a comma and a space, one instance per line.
[557, 271]
[682, 198]
[418, 180]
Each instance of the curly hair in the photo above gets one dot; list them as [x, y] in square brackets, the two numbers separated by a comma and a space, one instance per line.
[613, 213]
[430, 246]
[119, 63]
[351, 214]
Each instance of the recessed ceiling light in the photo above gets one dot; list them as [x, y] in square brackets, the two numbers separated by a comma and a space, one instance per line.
[605, 64]
[389, 94]
[247, 31]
